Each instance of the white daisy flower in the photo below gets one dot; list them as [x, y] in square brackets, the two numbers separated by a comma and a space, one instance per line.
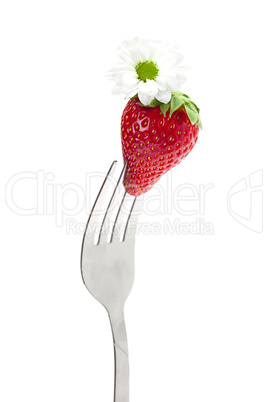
[148, 68]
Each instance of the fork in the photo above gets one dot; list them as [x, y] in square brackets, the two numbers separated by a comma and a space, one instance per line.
[107, 268]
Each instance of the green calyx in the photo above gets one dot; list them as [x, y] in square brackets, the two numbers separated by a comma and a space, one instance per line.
[179, 99]
[146, 70]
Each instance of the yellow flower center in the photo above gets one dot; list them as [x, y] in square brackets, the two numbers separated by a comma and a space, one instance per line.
[147, 70]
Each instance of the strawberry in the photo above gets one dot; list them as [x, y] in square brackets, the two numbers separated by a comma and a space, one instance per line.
[156, 138]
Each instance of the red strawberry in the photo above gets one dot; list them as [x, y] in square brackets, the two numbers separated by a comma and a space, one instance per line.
[154, 141]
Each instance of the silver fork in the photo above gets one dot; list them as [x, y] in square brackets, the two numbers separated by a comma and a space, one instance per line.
[107, 267]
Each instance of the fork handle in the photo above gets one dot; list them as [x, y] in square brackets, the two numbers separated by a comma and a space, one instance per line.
[121, 374]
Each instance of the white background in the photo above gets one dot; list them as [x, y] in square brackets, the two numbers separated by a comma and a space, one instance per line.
[197, 315]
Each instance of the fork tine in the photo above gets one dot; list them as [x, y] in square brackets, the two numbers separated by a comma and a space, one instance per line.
[131, 226]
[109, 211]
[93, 219]
[119, 218]
[122, 216]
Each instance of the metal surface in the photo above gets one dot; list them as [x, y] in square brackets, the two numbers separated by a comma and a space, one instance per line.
[107, 267]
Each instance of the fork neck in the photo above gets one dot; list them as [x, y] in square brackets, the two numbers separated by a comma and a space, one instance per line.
[121, 375]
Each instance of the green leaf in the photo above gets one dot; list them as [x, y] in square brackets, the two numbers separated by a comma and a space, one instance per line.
[193, 116]
[164, 108]
[197, 108]
[155, 103]
[176, 103]
[192, 106]
[199, 123]
[177, 93]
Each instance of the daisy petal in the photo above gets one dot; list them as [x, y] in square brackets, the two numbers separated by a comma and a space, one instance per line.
[185, 68]
[163, 96]
[161, 83]
[145, 99]
[116, 90]
[130, 79]
[149, 87]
